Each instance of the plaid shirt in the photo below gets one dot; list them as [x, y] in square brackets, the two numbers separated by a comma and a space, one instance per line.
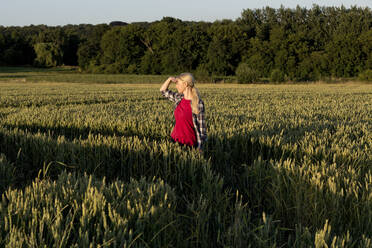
[197, 119]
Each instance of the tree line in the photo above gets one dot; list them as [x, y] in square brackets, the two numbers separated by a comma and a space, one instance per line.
[284, 44]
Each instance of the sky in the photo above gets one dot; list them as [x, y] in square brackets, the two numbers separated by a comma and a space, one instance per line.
[60, 13]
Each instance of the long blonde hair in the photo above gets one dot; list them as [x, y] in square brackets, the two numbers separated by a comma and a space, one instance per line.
[190, 80]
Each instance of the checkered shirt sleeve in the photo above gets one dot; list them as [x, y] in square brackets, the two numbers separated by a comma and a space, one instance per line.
[172, 96]
[199, 124]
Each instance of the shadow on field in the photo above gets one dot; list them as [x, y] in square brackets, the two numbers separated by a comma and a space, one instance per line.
[71, 133]
[32, 146]
[5, 69]
[228, 155]
[246, 165]
[26, 103]
[244, 148]
[29, 146]
[12, 76]
[284, 194]
[186, 171]
[32, 152]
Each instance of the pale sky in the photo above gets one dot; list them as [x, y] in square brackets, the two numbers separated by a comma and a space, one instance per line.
[54, 13]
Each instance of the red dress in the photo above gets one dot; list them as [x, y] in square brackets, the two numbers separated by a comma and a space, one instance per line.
[184, 131]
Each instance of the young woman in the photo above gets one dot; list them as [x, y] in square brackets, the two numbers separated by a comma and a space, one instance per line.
[190, 127]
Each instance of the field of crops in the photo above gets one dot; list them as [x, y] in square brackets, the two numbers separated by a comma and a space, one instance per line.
[90, 165]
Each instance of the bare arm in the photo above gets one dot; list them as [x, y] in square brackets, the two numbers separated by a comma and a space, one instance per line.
[170, 95]
[167, 83]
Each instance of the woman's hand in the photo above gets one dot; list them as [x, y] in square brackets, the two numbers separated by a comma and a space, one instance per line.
[172, 79]
[167, 83]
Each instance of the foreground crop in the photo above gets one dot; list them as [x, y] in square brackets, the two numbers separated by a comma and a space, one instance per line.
[92, 165]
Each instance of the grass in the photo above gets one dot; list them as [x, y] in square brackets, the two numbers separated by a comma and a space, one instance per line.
[91, 164]
[71, 75]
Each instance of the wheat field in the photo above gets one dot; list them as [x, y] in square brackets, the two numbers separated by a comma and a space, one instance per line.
[91, 165]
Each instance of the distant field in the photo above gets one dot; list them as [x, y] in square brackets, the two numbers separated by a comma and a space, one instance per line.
[71, 75]
[87, 163]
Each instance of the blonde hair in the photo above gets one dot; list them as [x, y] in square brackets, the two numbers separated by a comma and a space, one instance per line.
[190, 80]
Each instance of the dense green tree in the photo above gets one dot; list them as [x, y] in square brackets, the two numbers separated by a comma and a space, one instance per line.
[89, 50]
[303, 44]
[2, 48]
[246, 74]
[14, 46]
[365, 41]
[260, 57]
[48, 54]
[225, 50]
[345, 54]
[11, 56]
[166, 38]
[123, 46]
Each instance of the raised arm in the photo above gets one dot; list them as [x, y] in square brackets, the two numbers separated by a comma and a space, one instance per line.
[167, 83]
[170, 95]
